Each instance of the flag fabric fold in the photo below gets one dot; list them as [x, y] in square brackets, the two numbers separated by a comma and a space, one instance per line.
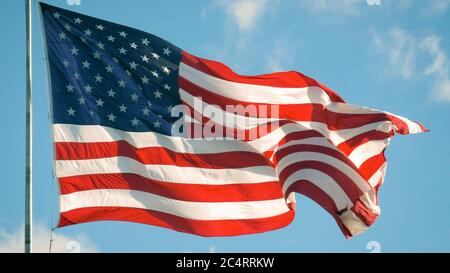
[146, 132]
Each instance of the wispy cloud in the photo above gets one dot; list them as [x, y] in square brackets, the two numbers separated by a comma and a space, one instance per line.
[438, 68]
[335, 8]
[280, 57]
[212, 249]
[13, 241]
[400, 49]
[436, 7]
[410, 56]
[244, 13]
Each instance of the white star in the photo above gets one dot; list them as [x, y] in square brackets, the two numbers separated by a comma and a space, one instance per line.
[76, 75]
[56, 15]
[128, 72]
[91, 113]
[144, 80]
[109, 68]
[155, 74]
[101, 45]
[74, 50]
[111, 117]
[115, 59]
[62, 36]
[87, 32]
[145, 58]
[66, 63]
[69, 87]
[67, 26]
[134, 122]
[160, 116]
[86, 64]
[166, 70]
[98, 78]
[100, 27]
[134, 97]
[83, 40]
[133, 45]
[71, 112]
[133, 65]
[111, 93]
[100, 102]
[166, 86]
[149, 104]
[145, 42]
[123, 108]
[167, 51]
[123, 34]
[96, 55]
[157, 94]
[111, 38]
[156, 56]
[121, 83]
[145, 111]
[169, 108]
[156, 124]
[78, 20]
[88, 88]
[122, 50]
[82, 100]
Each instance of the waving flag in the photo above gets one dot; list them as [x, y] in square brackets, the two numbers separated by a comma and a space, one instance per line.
[146, 132]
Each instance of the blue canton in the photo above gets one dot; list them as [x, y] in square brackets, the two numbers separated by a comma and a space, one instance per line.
[108, 74]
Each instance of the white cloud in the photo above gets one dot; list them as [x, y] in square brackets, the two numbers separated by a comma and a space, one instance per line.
[244, 13]
[436, 7]
[212, 249]
[439, 68]
[280, 57]
[335, 8]
[400, 49]
[409, 56]
[14, 241]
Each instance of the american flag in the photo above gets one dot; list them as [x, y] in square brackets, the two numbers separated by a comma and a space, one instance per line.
[114, 95]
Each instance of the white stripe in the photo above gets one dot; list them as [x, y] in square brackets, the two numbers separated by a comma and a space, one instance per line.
[97, 133]
[336, 137]
[253, 93]
[367, 150]
[219, 116]
[185, 209]
[413, 127]
[329, 160]
[277, 95]
[167, 173]
[353, 223]
[374, 180]
[322, 181]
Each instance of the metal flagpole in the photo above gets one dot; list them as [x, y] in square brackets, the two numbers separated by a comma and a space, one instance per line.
[28, 134]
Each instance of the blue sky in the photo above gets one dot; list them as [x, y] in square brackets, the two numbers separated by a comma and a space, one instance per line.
[389, 55]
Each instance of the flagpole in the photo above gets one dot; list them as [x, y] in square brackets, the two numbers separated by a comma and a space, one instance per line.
[28, 133]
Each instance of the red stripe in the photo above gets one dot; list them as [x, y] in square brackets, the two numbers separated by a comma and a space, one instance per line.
[316, 194]
[278, 79]
[347, 185]
[197, 227]
[185, 192]
[157, 155]
[280, 154]
[209, 128]
[349, 145]
[363, 213]
[371, 165]
[298, 112]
